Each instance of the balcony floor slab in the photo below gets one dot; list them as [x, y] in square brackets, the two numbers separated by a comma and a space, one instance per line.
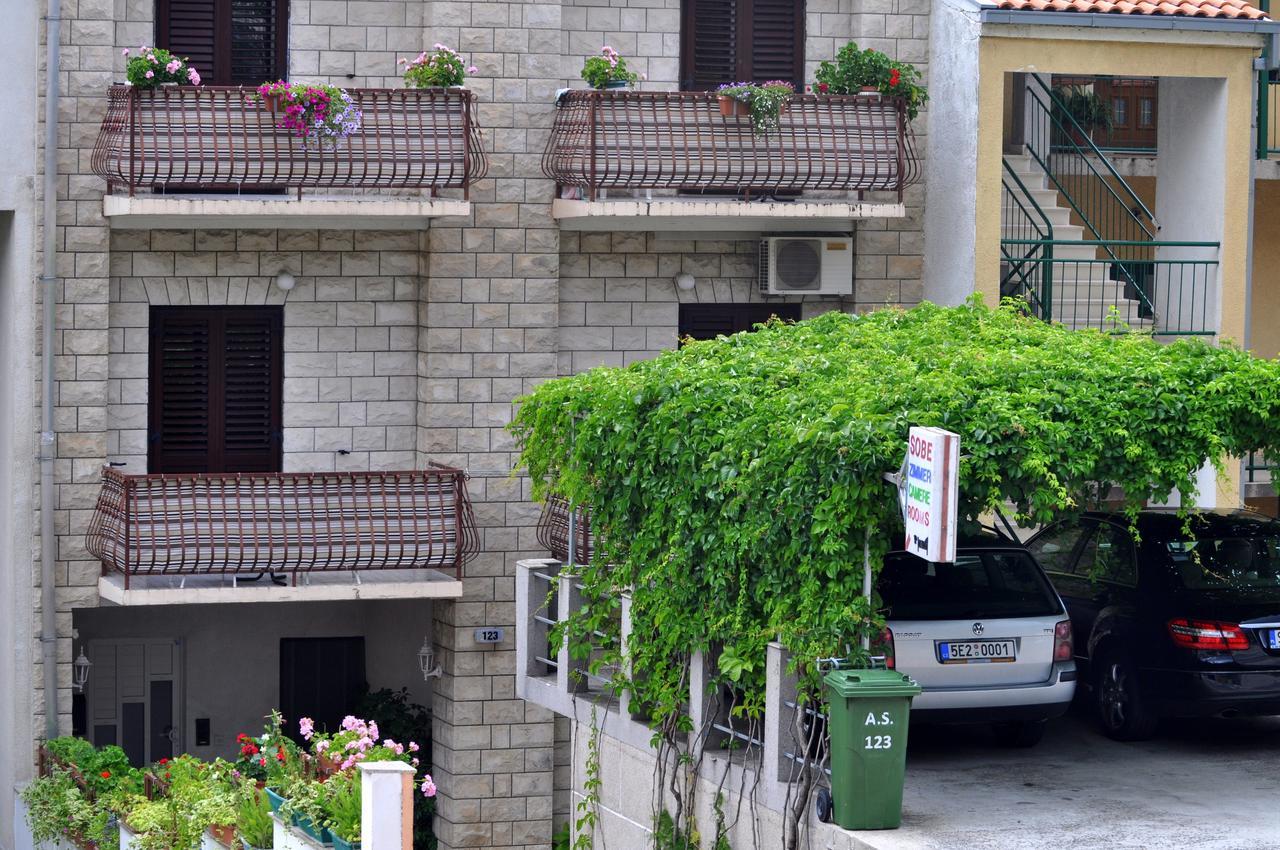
[358, 212]
[702, 215]
[312, 587]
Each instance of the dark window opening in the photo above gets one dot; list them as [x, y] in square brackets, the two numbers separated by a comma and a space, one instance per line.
[729, 41]
[230, 42]
[707, 321]
[215, 389]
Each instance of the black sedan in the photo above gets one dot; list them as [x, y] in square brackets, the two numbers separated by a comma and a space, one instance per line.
[1182, 622]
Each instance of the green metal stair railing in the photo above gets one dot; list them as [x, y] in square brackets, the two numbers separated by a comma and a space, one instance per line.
[1119, 228]
[1026, 247]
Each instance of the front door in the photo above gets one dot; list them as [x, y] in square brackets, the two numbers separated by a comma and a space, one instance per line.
[133, 697]
[321, 678]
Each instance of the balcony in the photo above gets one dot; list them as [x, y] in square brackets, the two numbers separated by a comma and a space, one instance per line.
[262, 537]
[179, 144]
[615, 149]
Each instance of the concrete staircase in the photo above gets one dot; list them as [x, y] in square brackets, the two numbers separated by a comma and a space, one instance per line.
[1083, 293]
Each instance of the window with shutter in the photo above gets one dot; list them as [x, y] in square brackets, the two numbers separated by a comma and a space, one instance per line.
[727, 41]
[707, 321]
[215, 389]
[230, 42]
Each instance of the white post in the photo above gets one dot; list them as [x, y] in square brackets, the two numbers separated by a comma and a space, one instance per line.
[386, 805]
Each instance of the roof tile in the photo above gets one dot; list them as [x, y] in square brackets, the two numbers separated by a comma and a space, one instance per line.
[1178, 8]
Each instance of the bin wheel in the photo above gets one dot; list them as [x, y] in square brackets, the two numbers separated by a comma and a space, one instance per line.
[823, 805]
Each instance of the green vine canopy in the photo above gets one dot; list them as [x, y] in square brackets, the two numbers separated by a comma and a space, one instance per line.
[730, 483]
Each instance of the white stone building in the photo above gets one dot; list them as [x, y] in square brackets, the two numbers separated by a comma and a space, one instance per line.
[227, 301]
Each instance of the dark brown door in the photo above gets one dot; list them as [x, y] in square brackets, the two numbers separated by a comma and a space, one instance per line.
[321, 678]
[215, 389]
[728, 41]
[707, 321]
[230, 42]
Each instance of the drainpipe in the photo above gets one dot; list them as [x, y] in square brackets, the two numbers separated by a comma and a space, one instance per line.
[49, 282]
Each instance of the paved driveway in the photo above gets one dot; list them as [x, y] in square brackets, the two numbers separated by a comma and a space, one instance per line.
[1208, 785]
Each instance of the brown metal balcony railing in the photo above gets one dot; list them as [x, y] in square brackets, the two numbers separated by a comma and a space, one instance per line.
[679, 140]
[288, 522]
[553, 531]
[223, 138]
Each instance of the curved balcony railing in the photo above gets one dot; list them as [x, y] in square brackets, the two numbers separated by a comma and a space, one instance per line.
[224, 138]
[618, 139]
[553, 531]
[282, 522]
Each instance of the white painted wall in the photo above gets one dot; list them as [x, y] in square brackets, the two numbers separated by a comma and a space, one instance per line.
[1191, 126]
[231, 653]
[950, 216]
[19, 42]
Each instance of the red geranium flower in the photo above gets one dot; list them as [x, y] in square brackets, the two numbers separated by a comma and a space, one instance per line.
[823, 87]
[164, 761]
[106, 774]
[280, 754]
[894, 77]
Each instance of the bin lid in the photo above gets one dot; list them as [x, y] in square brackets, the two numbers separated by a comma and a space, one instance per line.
[871, 683]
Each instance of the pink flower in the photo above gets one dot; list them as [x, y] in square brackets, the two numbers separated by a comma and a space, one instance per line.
[428, 787]
[307, 727]
[472, 69]
[173, 66]
[150, 74]
[321, 746]
[124, 52]
[373, 729]
[413, 748]
[193, 77]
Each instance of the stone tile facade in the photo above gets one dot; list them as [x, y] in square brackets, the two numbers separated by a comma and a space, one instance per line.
[351, 334]
[409, 347]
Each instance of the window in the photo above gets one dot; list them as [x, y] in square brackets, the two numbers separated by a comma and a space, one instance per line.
[230, 42]
[1147, 112]
[707, 321]
[1120, 111]
[1108, 555]
[215, 389]
[979, 585]
[1053, 548]
[726, 41]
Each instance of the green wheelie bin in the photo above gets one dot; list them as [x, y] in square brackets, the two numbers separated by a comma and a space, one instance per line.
[868, 728]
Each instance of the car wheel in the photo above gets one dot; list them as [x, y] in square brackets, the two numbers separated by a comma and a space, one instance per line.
[1021, 733]
[1122, 711]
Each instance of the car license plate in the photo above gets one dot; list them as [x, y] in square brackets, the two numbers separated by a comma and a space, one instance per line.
[976, 651]
[1271, 637]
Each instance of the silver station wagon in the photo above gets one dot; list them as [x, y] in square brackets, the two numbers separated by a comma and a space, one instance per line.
[987, 637]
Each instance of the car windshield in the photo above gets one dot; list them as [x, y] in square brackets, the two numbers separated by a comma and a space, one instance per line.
[979, 585]
[1226, 563]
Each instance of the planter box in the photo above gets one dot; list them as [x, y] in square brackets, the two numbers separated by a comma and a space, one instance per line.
[128, 839]
[275, 799]
[319, 833]
[339, 844]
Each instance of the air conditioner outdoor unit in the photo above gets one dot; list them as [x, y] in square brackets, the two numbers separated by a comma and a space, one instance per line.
[806, 265]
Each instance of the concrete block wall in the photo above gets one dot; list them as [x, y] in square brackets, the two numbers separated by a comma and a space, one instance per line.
[350, 334]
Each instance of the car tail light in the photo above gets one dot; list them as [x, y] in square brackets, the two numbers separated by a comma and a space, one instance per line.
[1207, 634]
[885, 646]
[1062, 647]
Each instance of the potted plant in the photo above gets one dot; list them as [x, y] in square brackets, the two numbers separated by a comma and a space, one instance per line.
[253, 818]
[304, 807]
[765, 103]
[342, 810]
[608, 70]
[442, 68]
[857, 71]
[1085, 106]
[315, 113]
[154, 66]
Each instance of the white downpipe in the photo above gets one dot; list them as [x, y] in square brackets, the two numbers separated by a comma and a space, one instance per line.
[49, 281]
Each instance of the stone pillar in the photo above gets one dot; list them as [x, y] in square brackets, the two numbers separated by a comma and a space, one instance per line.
[490, 334]
[386, 805]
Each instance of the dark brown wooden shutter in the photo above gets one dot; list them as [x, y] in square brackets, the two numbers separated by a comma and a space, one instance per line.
[726, 41]
[230, 42]
[215, 391]
[707, 321]
[777, 41]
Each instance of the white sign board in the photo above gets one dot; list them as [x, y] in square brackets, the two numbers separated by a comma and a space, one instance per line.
[929, 486]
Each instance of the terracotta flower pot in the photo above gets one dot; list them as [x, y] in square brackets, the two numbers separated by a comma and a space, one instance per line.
[224, 834]
[730, 106]
[272, 102]
[869, 90]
